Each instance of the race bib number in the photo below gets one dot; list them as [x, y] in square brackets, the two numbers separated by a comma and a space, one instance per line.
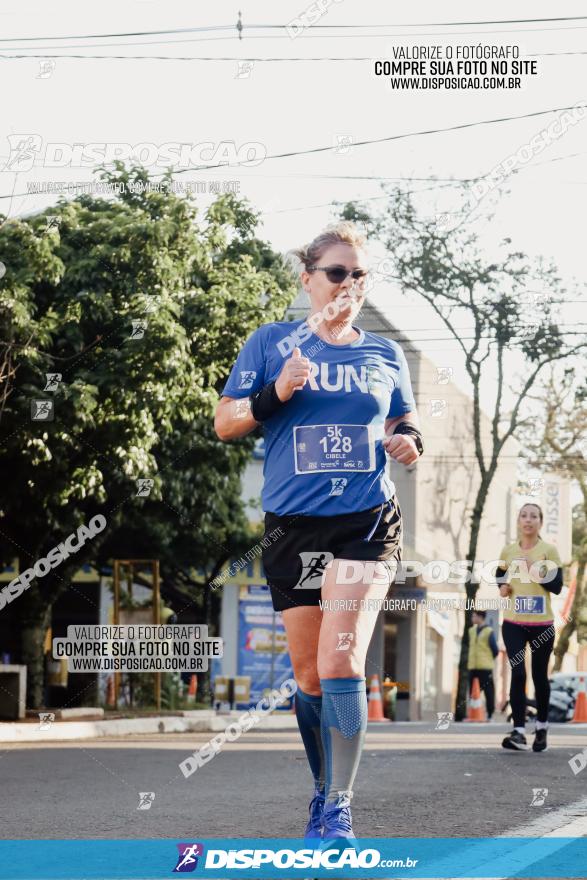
[320, 448]
[530, 605]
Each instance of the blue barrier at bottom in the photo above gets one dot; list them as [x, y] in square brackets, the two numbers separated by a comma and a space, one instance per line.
[273, 858]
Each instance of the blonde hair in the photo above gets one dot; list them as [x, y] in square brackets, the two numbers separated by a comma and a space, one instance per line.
[344, 232]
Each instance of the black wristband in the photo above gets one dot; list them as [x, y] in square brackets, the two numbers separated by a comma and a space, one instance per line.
[265, 403]
[412, 431]
[556, 584]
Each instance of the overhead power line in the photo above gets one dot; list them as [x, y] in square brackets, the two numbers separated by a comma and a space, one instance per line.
[292, 153]
[179, 58]
[440, 183]
[238, 28]
[253, 58]
[186, 30]
[306, 36]
[551, 54]
[224, 27]
[395, 137]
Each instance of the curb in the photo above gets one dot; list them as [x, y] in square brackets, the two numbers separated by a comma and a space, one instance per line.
[194, 721]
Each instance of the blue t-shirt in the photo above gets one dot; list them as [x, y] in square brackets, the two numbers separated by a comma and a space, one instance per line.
[323, 449]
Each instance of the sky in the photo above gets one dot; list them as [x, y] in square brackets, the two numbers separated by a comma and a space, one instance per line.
[315, 99]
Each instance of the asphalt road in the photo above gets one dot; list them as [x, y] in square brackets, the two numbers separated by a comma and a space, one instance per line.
[413, 782]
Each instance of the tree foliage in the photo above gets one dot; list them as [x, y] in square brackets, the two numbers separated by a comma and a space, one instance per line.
[128, 407]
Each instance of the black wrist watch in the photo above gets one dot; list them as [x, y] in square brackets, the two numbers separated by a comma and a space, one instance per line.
[412, 431]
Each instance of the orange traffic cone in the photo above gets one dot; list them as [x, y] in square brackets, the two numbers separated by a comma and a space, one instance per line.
[581, 704]
[375, 706]
[476, 711]
[193, 689]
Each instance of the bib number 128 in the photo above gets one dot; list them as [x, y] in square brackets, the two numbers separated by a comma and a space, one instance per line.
[320, 448]
[335, 441]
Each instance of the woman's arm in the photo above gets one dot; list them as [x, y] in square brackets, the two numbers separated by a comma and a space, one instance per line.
[391, 424]
[402, 447]
[553, 584]
[556, 584]
[505, 589]
[233, 418]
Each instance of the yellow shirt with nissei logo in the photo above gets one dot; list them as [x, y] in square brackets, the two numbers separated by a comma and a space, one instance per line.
[530, 601]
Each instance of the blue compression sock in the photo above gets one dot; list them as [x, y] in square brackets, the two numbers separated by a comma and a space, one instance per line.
[344, 722]
[308, 713]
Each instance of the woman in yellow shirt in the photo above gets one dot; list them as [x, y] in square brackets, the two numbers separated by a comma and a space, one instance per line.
[532, 572]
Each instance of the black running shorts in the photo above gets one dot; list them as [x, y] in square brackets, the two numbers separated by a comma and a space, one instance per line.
[296, 548]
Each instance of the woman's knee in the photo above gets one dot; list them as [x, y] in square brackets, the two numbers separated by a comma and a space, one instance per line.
[308, 681]
[518, 673]
[340, 667]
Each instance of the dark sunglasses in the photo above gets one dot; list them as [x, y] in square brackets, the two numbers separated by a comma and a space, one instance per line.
[337, 274]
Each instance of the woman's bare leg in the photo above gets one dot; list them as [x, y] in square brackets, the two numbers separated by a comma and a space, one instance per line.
[302, 626]
[333, 663]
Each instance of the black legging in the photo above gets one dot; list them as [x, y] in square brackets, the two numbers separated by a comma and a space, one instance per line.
[541, 638]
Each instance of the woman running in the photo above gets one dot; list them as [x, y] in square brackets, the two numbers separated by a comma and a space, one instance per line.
[330, 412]
[537, 572]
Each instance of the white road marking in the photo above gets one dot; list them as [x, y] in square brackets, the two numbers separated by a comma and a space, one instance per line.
[568, 821]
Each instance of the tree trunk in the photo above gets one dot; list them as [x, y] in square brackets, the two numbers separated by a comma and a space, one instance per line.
[34, 618]
[471, 591]
[562, 645]
[32, 640]
[463, 681]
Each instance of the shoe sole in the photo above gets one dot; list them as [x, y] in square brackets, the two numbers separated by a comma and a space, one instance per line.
[339, 844]
[515, 748]
[542, 749]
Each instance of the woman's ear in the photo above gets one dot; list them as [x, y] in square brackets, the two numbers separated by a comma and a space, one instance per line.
[305, 279]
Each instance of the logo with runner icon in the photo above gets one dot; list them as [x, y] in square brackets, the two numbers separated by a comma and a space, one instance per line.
[338, 485]
[247, 378]
[344, 641]
[444, 719]
[313, 565]
[377, 381]
[539, 796]
[188, 857]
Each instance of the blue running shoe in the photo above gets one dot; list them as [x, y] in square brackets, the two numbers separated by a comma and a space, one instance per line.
[314, 826]
[337, 820]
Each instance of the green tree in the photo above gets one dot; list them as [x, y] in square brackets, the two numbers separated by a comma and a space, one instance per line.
[127, 407]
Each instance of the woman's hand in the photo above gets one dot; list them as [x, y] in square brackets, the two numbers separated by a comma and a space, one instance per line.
[294, 375]
[401, 447]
